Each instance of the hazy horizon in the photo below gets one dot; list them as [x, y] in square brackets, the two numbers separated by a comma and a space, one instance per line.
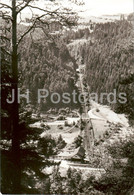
[102, 7]
[91, 8]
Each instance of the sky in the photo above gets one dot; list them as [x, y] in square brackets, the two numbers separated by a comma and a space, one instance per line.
[91, 7]
[101, 7]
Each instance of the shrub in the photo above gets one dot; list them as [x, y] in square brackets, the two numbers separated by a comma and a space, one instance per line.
[78, 141]
[61, 142]
[66, 124]
[60, 127]
[42, 125]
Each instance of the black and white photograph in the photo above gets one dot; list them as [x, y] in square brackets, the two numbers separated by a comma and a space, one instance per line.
[67, 97]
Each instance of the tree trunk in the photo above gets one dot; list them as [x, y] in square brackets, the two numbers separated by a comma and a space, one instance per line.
[15, 109]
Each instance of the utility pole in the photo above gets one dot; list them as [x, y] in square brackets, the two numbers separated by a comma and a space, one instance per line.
[15, 107]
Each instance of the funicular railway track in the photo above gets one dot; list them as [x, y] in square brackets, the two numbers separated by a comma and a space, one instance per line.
[88, 135]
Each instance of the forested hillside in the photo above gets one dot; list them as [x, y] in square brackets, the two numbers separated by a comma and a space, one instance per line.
[47, 64]
[108, 55]
[106, 49]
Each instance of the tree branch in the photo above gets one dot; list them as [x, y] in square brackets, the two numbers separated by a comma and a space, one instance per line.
[52, 12]
[8, 53]
[4, 37]
[47, 34]
[61, 14]
[3, 5]
[30, 28]
[23, 6]
[4, 16]
[20, 4]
